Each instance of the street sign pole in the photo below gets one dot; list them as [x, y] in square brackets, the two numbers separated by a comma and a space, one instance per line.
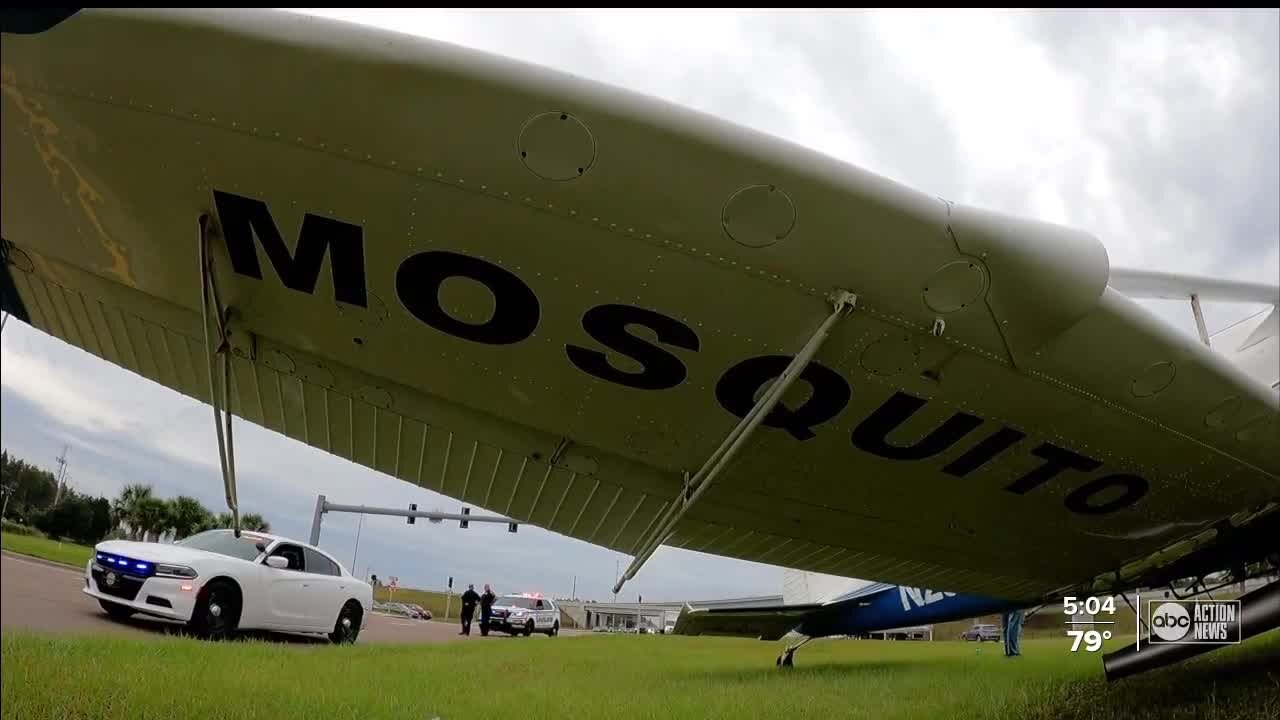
[448, 601]
[464, 518]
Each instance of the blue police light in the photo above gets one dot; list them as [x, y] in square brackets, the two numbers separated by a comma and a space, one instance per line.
[129, 565]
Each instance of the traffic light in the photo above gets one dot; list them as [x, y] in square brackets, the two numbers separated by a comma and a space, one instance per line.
[450, 582]
[511, 527]
[463, 523]
[412, 507]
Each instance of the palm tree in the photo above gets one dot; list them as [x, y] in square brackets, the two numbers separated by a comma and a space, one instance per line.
[254, 521]
[125, 508]
[187, 516]
[153, 517]
[249, 521]
[221, 520]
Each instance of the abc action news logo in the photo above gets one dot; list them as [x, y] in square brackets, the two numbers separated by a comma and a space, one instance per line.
[1201, 622]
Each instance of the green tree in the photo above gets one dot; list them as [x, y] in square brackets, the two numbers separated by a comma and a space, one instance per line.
[83, 519]
[33, 489]
[100, 524]
[152, 517]
[254, 521]
[248, 521]
[126, 509]
[187, 516]
[221, 520]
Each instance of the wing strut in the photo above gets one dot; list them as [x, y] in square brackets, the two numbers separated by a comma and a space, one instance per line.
[1195, 310]
[221, 403]
[694, 487]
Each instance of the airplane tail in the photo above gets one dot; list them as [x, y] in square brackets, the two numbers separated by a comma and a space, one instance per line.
[800, 587]
[1252, 344]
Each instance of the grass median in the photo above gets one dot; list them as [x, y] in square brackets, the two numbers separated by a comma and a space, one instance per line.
[60, 552]
[613, 677]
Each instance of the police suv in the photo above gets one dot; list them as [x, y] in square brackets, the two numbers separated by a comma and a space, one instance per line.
[525, 614]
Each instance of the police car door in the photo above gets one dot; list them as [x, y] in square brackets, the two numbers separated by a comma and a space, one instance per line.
[541, 615]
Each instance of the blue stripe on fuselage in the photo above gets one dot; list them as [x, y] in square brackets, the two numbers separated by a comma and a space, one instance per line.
[898, 606]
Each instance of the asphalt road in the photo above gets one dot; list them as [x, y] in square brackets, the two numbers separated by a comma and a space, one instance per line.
[46, 598]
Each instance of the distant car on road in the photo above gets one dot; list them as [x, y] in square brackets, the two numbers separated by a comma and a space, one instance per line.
[524, 615]
[418, 611]
[395, 608]
[982, 633]
[218, 584]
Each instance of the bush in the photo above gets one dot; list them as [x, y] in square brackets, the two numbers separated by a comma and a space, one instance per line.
[10, 526]
[80, 518]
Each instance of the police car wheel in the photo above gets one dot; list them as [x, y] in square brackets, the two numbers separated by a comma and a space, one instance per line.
[528, 628]
[555, 630]
[347, 627]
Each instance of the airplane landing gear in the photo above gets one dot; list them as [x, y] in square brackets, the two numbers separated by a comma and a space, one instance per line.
[787, 658]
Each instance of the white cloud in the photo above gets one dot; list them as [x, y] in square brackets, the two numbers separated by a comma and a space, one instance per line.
[62, 393]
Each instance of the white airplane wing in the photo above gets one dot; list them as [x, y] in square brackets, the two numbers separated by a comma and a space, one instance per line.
[556, 300]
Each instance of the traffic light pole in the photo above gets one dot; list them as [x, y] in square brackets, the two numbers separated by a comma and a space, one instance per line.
[464, 518]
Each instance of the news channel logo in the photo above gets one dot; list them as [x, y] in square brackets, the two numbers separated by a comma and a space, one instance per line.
[1194, 622]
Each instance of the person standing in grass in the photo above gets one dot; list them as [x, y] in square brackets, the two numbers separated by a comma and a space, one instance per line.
[1011, 631]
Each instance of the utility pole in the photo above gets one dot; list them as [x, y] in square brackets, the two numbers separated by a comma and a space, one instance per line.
[574, 595]
[62, 475]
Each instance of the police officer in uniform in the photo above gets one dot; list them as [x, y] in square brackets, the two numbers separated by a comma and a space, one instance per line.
[469, 600]
[486, 609]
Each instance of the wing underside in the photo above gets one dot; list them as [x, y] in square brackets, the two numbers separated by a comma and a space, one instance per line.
[637, 274]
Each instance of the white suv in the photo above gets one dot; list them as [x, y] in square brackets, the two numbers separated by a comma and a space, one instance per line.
[525, 614]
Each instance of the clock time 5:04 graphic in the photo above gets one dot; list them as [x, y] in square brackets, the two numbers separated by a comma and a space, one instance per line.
[1074, 607]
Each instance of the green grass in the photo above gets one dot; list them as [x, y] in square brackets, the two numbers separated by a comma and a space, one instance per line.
[433, 601]
[67, 553]
[600, 676]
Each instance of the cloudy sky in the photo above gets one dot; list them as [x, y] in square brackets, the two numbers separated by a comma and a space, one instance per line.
[1155, 131]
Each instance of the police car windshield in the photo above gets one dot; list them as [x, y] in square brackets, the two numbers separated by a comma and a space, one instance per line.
[520, 602]
[224, 542]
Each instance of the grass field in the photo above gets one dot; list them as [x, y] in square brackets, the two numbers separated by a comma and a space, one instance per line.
[68, 553]
[45, 677]
[433, 601]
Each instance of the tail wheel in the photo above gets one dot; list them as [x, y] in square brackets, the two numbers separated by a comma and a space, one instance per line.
[347, 627]
[217, 612]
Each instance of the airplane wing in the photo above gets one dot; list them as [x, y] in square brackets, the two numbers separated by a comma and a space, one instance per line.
[803, 595]
[763, 623]
[557, 300]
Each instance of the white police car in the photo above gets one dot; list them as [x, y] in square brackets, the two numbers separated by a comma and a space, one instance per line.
[525, 614]
[218, 583]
